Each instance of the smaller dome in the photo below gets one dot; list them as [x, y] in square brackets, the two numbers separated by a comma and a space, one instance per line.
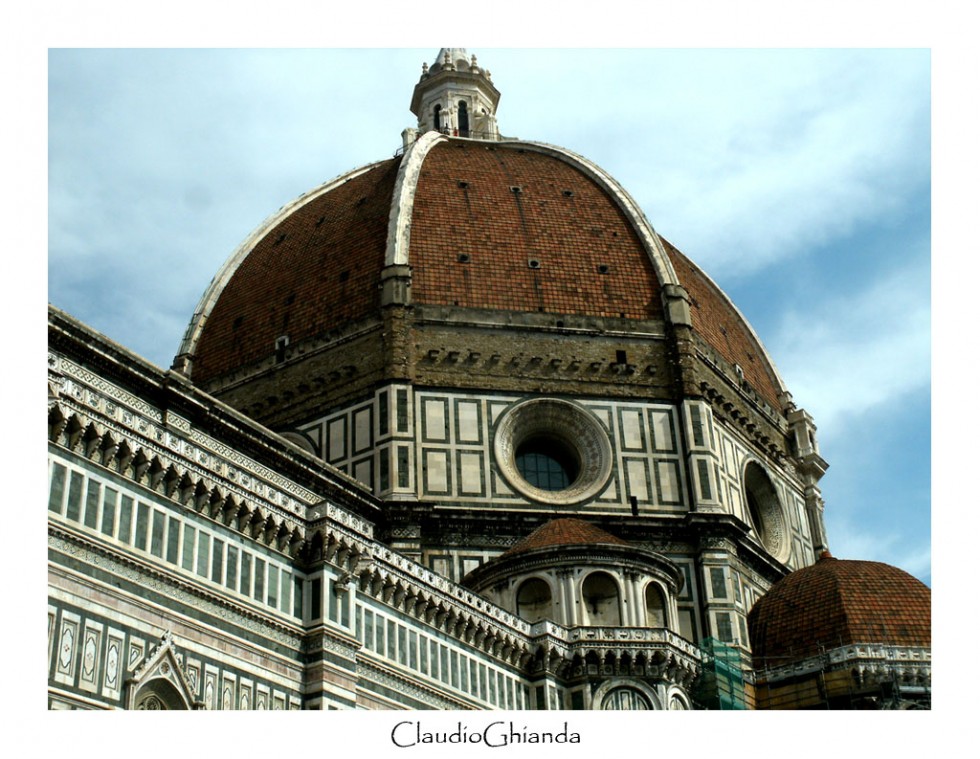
[563, 532]
[836, 603]
[575, 573]
[568, 542]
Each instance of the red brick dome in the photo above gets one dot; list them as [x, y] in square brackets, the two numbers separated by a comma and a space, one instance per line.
[505, 226]
[564, 532]
[310, 269]
[571, 542]
[837, 603]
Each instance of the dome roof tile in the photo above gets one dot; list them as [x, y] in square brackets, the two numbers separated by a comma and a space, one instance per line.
[315, 269]
[504, 226]
[564, 532]
[506, 207]
[836, 603]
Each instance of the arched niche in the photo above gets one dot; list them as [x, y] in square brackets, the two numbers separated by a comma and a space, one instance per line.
[600, 598]
[534, 600]
[655, 606]
[765, 511]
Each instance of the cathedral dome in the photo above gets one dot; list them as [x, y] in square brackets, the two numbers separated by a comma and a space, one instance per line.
[505, 226]
[836, 603]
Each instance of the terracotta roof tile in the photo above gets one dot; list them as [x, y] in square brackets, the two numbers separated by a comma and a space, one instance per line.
[499, 206]
[564, 532]
[721, 326]
[504, 205]
[835, 603]
[316, 270]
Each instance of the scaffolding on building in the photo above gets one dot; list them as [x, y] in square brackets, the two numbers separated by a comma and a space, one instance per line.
[821, 683]
[722, 683]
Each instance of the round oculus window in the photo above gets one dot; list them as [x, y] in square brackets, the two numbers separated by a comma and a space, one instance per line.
[553, 451]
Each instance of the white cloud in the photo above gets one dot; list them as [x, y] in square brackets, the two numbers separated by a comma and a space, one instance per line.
[849, 540]
[853, 352]
[783, 151]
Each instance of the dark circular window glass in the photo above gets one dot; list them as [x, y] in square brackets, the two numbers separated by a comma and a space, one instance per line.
[546, 464]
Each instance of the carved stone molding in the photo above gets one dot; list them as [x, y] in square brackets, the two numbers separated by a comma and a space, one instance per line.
[160, 681]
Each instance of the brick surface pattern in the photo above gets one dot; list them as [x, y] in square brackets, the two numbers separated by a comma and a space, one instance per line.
[316, 270]
[560, 218]
[719, 324]
[837, 603]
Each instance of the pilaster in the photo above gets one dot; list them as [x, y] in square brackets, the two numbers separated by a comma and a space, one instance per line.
[330, 676]
[715, 561]
[702, 457]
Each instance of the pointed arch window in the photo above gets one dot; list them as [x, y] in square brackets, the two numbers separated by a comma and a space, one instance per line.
[159, 695]
[437, 118]
[464, 120]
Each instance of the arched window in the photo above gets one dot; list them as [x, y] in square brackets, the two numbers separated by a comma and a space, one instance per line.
[656, 606]
[764, 512]
[437, 118]
[464, 120]
[534, 600]
[600, 595]
[626, 699]
[158, 695]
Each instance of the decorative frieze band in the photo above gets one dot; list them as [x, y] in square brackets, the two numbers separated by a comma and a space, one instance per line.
[904, 665]
[148, 576]
[371, 671]
[145, 427]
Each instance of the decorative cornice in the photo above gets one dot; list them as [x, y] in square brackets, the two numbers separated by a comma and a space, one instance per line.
[324, 638]
[283, 475]
[63, 539]
[164, 452]
[721, 395]
[870, 663]
[649, 652]
[371, 670]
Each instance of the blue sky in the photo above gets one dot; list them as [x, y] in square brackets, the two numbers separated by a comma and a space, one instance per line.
[798, 179]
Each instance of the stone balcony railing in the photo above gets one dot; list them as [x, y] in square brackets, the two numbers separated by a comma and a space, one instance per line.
[630, 651]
